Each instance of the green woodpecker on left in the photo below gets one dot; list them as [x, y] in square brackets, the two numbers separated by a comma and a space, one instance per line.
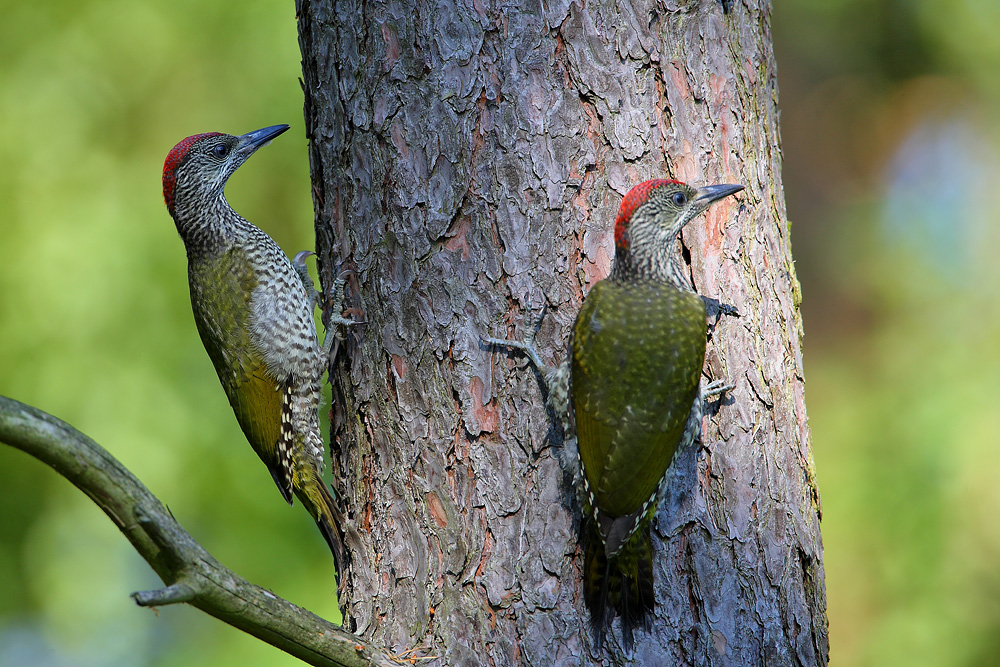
[254, 311]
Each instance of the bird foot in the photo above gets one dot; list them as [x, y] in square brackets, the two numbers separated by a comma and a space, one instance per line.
[336, 319]
[299, 264]
[527, 343]
[555, 379]
[716, 388]
[716, 309]
[337, 306]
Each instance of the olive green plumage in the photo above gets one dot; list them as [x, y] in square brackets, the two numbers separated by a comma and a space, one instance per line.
[254, 314]
[637, 354]
[222, 316]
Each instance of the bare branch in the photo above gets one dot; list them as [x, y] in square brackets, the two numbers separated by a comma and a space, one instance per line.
[189, 572]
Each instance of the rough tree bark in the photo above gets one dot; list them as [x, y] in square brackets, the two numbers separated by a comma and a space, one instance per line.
[468, 157]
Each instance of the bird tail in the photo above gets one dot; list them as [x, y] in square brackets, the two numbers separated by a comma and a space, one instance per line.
[322, 506]
[618, 585]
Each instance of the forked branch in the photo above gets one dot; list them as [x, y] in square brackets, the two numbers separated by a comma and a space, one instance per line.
[189, 573]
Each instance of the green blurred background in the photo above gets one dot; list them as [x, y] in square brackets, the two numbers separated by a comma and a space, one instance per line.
[890, 140]
[96, 325]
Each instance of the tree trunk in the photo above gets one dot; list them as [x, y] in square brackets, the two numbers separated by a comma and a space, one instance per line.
[468, 158]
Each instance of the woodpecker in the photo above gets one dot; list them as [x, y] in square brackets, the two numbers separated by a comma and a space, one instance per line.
[254, 312]
[631, 389]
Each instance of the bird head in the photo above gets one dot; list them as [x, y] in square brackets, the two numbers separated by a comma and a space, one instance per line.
[199, 166]
[660, 208]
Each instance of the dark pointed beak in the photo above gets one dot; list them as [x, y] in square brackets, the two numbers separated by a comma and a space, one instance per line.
[251, 141]
[711, 193]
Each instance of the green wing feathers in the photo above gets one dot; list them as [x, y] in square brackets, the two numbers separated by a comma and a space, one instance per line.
[256, 400]
[223, 324]
[637, 356]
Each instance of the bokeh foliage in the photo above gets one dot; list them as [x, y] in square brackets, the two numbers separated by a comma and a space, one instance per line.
[890, 138]
[889, 133]
[96, 326]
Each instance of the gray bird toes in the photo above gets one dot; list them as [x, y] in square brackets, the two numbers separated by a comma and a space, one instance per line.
[716, 388]
[299, 264]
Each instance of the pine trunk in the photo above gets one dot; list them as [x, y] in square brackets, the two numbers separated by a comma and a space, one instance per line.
[468, 158]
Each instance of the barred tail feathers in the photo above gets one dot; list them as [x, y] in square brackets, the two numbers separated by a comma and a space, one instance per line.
[618, 585]
[299, 453]
[322, 506]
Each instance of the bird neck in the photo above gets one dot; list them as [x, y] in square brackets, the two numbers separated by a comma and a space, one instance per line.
[206, 225]
[647, 253]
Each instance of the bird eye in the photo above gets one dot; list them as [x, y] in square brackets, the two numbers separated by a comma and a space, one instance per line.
[220, 151]
[679, 199]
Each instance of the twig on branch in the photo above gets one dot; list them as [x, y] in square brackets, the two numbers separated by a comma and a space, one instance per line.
[189, 572]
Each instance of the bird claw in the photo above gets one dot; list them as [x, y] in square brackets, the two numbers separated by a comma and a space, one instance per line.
[337, 306]
[715, 309]
[716, 388]
[532, 324]
[523, 345]
[333, 321]
[299, 264]
[527, 343]
[300, 258]
[336, 318]
[555, 379]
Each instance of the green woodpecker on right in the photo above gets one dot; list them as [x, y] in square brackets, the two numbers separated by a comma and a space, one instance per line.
[630, 386]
